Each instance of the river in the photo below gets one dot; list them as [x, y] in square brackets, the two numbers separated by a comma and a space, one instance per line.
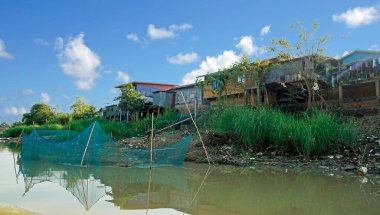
[45, 188]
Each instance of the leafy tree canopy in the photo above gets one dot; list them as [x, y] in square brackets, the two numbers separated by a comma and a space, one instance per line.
[130, 99]
[82, 110]
[40, 113]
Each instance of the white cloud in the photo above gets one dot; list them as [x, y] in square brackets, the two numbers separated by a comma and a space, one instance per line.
[27, 92]
[45, 98]
[3, 53]
[247, 46]
[183, 58]
[41, 42]
[265, 30]
[134, 38]
[78, 61]
[159, 33]
[358, 16]
[123, 77]
[155, 33]
[344, 54]
[15, 111]
[212, 64]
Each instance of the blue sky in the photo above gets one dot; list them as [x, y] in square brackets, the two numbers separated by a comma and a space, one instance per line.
[53, 51]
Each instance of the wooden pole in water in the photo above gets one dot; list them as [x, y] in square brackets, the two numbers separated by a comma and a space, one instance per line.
[19, 137]
[88, 141]
[151, 141]
[196, 127]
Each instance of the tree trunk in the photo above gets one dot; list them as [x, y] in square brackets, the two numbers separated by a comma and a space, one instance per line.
[258, 94]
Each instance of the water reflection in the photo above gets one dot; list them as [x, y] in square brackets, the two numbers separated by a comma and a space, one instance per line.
[127, 186]
[196, 189]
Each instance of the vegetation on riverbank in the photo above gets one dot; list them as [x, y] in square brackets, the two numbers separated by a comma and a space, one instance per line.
[262, 128]
[117, 129]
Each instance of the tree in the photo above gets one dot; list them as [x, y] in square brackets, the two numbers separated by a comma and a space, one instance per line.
[304, 56]
[255, 74]
[130, 99]
[40, 113]
[81, 110]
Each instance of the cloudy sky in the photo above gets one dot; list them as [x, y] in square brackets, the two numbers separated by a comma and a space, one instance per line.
[53, 51]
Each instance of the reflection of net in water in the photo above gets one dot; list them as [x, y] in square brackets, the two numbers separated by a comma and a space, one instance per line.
[79, 182]
[68, 147]
[126, 186]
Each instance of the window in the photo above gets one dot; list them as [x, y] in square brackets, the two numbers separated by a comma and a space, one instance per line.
[215, 85]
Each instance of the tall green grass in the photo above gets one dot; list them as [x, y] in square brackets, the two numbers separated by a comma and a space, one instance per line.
[305, 134]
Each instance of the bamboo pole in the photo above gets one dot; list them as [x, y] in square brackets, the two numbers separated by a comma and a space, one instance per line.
[208, 172]
[196, 127]
[19, 137]
[148, 198]
[88, 141]
[151, 142]
[162, 129]
[14, 167]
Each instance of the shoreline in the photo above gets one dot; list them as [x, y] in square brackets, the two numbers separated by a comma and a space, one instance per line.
[222, 151]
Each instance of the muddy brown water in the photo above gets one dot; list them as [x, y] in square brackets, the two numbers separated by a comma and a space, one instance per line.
[45, 188]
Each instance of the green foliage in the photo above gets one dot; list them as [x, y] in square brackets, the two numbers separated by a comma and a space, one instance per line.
[130, 99]
[117, 129]
[3, 127]
[305, 134]
[40, 113]
[302, 57]
[62, 118]
[81, 110]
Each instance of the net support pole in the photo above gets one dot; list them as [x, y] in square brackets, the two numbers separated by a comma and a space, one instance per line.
[151, 141]
[19, 137]
[196, 127]
[88, 142]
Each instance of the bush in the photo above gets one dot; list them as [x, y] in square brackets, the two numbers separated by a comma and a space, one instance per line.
[63, 118]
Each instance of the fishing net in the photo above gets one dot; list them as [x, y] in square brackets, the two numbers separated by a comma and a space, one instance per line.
[94, 147]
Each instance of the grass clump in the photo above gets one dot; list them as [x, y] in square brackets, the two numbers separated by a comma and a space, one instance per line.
[305, 134]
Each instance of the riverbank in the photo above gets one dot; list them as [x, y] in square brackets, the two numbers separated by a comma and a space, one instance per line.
[222, 151]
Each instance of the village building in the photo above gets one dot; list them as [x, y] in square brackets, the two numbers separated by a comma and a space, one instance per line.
[358, 79]
[146, 89]
[178, 96]
[282, 84]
